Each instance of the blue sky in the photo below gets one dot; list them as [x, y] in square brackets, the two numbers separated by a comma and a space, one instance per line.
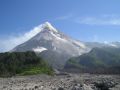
[85, 20]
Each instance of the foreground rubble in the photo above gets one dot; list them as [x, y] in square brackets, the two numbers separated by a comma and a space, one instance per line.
[61, 82]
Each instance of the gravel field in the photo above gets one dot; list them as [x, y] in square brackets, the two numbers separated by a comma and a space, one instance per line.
[61, 82]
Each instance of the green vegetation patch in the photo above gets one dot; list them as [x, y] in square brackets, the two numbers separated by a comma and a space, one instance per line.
[23, 63]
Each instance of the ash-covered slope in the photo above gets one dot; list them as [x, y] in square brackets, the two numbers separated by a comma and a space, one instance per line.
[53, 45]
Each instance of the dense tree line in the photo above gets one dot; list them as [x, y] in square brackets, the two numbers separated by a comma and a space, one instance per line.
[22, 63]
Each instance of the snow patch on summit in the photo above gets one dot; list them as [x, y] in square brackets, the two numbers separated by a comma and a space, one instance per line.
[48, 26]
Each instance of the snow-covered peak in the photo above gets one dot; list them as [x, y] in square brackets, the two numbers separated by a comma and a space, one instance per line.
[48, 26]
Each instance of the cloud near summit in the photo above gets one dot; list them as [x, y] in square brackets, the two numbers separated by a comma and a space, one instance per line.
[103, 19]
[10, 42]
[113, 20]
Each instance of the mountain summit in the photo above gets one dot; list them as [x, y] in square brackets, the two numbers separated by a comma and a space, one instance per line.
[53, 45]
[48, 26]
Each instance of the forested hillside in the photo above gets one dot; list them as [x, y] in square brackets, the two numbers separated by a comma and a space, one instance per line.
[98, 60]
[22, 63]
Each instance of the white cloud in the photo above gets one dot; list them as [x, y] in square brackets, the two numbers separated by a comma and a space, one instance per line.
[65, 17]
[99, 20]
[12, 41]
[103, 19]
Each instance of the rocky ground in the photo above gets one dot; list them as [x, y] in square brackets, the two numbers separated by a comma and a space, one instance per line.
[61, 82]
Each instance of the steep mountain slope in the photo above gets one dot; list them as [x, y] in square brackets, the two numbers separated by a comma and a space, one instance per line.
[53, 45]
[98, 60]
